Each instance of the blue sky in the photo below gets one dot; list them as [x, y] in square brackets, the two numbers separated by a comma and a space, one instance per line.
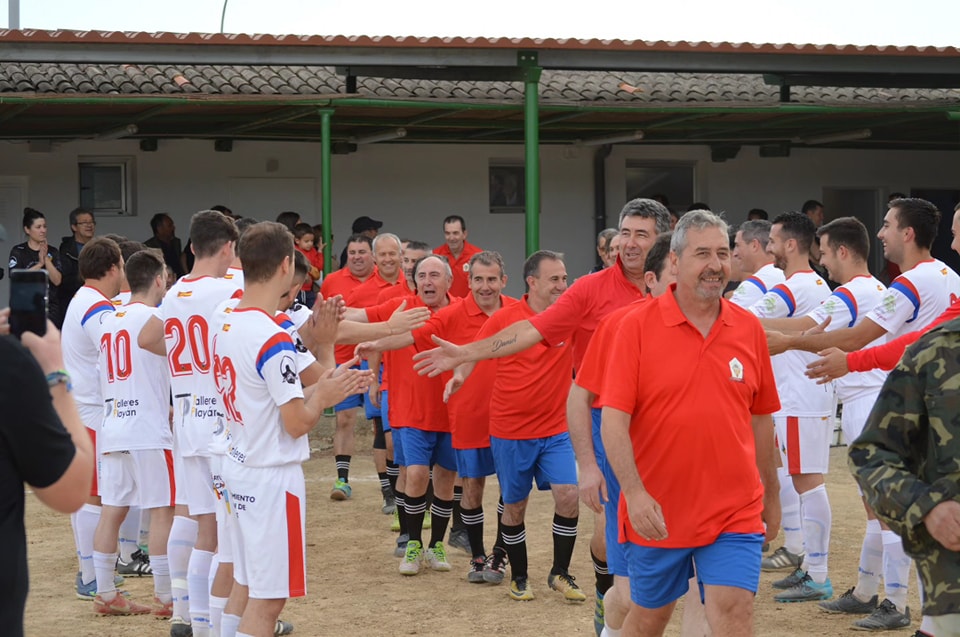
[921, 22]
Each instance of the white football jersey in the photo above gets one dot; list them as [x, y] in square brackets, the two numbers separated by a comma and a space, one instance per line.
[754, 287]
[797, 296]
[135, 385]
[304, 357]
[846, 307]
[298, 314]
[186, 310]
[235, 276]
[80, 341]
[255, 368]
[121, 299]
[916, 298]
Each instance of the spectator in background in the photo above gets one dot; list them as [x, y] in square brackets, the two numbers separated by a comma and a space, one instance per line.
[757, 214]
[603, 249]
[42, 443]
[164, 237]
[458, 252]
[84, 226]
[303, 240]
[362, 225]
[186, 257]
[36, 254]
[814, 211]
[289, 218]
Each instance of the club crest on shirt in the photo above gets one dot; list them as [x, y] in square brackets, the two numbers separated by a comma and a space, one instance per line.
[736, 370]
[288, 370]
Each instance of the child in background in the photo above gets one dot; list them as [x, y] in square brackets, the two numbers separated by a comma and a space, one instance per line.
[303, 235]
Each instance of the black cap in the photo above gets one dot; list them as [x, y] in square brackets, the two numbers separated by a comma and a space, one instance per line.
[361, 224]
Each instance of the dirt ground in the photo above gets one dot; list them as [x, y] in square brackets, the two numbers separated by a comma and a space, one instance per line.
[354, 588]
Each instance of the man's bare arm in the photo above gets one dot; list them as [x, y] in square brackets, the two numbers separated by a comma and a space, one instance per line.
[593, 489]
[151, 337]
[793, 324]
[766, 451]
[510, 340]
[846, 338]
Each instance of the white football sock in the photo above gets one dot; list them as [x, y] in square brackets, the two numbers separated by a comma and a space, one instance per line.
[790, 513]
[229, 625]
[817, 520]
[896, 570]
[161, 577]
[87, 519]
[129, 534]
[183, 535]
[104, 564]
[198, 586]
[871, 561]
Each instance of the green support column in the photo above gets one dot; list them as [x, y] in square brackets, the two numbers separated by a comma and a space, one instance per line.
[531, 135]
[326, 216]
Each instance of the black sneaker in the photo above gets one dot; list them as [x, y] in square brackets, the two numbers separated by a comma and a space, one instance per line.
[886, 617]
[138, 565]
[790, 580]
[850, 604]
[496, 567]
[459, 539]
[475, 574]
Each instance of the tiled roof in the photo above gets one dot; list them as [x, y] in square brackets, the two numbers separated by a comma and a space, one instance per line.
[40, 36]
[561, 87]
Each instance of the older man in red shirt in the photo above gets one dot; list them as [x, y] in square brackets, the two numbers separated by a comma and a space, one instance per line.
[458, 253]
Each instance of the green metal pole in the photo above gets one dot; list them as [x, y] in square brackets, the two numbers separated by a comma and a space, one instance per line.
[326, 215]
[531, 135]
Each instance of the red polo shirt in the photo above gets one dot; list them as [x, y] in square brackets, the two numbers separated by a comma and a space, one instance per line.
[342, 282]
[577, 312]
[415, 401]
[469, 408]
[529, 394]
[691, 400]
[601, 349]
[461, 284]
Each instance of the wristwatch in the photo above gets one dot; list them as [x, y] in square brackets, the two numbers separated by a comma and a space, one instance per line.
[59, 376]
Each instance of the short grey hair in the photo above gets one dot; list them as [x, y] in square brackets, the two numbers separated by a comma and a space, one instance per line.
[758, 229]
[487, 257]
[698, 220]
[442, 259]
[606, 235]
[647, 209]
[386, 235]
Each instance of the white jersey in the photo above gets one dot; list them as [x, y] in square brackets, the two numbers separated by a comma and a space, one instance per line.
[304, 357]
[846, 307]
[256, 373]
[80, 341]
[186, 310]
[135, 385]
[298, 314]
[916, 298]
[754, 287]
[121, 299]
[797, 296]
[235, 276]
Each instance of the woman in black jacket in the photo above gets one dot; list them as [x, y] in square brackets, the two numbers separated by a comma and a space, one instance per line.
[36, 254]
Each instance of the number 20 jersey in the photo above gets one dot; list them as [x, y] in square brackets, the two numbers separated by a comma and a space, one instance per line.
[185, 313]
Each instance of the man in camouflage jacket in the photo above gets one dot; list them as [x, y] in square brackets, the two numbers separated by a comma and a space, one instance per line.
[907, 461]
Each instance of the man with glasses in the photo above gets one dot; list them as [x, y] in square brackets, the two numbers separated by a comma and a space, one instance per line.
[83, 226]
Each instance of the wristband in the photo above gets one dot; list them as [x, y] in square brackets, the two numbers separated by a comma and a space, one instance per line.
[59, 376]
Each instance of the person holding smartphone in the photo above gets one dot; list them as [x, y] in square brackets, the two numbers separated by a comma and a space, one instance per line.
[36, 254]
[42, 443]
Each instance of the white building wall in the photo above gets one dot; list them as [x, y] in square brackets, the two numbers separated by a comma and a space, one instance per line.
[412, 187]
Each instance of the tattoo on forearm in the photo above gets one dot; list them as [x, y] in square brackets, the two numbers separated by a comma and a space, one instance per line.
[500, 344]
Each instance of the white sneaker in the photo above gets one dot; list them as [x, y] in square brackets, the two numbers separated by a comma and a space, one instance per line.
[436, 558]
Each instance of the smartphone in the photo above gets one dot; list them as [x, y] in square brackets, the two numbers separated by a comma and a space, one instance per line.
[28, 302]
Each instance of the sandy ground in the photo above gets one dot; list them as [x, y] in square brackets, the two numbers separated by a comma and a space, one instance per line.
[354, 588]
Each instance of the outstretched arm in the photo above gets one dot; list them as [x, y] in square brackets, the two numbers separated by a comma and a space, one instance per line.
[510, 340]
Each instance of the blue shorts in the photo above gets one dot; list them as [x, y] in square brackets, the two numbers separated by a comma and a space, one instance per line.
[427, 448]
[349, 402]
[547, 460]
[616, 552]
[397, 435]
[475, 463]
[660, 576]
[384, 411]
[369, 410]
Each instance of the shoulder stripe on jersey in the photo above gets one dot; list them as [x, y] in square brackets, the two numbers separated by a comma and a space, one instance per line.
[96, 308]
[850, 301]
[784, 293]
[906, 288]
[278, 343]
[284, 321]
[757, 282]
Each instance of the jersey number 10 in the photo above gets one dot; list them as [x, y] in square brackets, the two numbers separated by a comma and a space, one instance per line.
[119, 358]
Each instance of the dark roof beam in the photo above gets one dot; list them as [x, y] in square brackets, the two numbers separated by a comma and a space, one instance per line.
[283, 115]
[866, 80]
[13, 111]
[436, 73]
